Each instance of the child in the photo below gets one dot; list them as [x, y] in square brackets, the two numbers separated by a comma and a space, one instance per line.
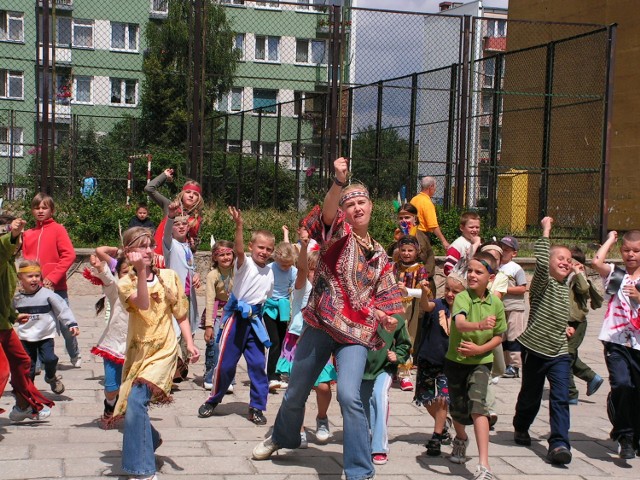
[513, 306]
[545, 349]
[475, 331]
[409, 273]
[141, 218]
[620, 335]
[45, 311]
[243, 332]
[153, 298]
[277, 309]
[219, 285]
[581, 291]
[307, 263]
[459, 249]
[113, 342]
[30, 403]
[381, 367]
[303, 236]
[189, 199]
[432, 388]
[49, 244]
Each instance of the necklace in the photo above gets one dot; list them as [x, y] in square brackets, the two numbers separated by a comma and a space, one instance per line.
[365, 242]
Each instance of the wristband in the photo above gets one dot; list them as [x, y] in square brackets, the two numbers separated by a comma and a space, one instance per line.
[338, 182]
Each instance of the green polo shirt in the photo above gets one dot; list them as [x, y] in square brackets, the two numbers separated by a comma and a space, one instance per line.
[8, 280]
[475, 309]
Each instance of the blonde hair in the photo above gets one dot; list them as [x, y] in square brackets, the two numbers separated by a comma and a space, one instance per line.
[42, 197]
[143, 237]
[285, 251]
[262, 233]
[28, 263]
[312, 259]
[194, 211]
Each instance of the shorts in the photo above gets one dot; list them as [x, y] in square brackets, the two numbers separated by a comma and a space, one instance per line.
[431, 384]
[516, 324]
[112, 375]
[468, 385]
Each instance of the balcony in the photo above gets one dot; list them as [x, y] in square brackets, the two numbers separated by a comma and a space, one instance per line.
[495, 44]
[63, 55]
[63, 113]
[60, 4]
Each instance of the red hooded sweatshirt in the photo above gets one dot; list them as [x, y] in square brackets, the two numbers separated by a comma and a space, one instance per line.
[49, 244]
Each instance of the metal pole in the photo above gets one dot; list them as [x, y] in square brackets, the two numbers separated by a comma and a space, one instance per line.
[256, 174]
[378, 147]
[44, 141]
[347, 152]
[240, 160]
[298, 147]
[495, 141]
[546, 132]
[12, 163]
[606, 132]
[464, 105]
[451, 136]
[276, 164]
[411, 181]
[335, 82]
[197, 88]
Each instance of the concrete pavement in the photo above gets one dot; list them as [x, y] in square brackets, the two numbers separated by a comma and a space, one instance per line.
[70, 445]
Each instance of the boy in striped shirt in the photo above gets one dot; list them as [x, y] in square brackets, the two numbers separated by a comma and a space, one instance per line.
[545, 352]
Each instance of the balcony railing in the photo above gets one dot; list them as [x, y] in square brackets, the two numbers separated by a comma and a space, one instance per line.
[63, 113]
[495, 44]
[60, 4]
[159, 9]
[63, 55]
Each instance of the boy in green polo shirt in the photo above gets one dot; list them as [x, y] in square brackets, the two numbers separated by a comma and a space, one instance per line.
[479, 322]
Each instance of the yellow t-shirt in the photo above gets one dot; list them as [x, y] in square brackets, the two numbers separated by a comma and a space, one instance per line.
[426, 212]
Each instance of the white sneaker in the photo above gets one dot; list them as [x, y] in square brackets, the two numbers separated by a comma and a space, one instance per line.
[283, 385]
[482, 473]
[303, 440]
[152, 477]
[230, 389]
[323, 434]
[265, 449]
[18, 415]
[76, 361]
[207, 385]
[495, 380]
[274, 385]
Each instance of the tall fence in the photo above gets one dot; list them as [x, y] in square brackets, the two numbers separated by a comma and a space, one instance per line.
[255, 99]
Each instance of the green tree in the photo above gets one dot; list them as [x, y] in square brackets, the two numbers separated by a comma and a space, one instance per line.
[386, 173]
[166, 93]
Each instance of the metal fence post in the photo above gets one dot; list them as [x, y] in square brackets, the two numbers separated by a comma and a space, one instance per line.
[411, 180]
[461, 170]
[276, 162]
[298, 147]
[378, 147]
[546, 132]
[495, 141]
[240, 160]
[258, 154]
[451, 136]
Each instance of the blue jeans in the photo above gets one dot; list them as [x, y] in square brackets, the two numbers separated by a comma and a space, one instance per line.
[44, 350]
[211, 358]
[140, 439]
[312, 353]
[623, 364]
[112, 375]
[535, 368]
[375, 399]
[70, 342]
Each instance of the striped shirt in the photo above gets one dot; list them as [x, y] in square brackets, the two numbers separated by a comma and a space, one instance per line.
[549, 314]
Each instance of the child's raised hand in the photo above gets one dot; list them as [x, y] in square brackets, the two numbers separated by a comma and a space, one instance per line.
[172, 209]
[426, 290]
[546, 222]
[488, 323]
[236, 216]
[136, 260]
[612, 236]
[304, 244]
[95, 262]
[75, 331]
[169, 173]
[341, 168]
[17, 226]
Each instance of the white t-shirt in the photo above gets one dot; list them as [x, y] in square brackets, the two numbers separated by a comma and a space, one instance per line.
[251, 283]
[299, 300]
[621, 323]
[517, 278]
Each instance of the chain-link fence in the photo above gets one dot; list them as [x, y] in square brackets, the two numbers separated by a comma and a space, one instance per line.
[254, 99]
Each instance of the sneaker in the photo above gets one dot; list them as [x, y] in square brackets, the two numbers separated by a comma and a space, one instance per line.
[152, 477]
[17, 414]
[459, 451]
[108, 410]
[56, 385]
[38, 370]
[559, 456]
[522, 438]
[274, 385]
[482, 473]
[379, 458]
[256, 416]
[433, 446]
[493, 419]
[494, 380]
[230, 389]
[283, 385]
[303, 440]
[207, 385]
[625, 447]
[594, 385]
[573, 401]
[76, 361]
[265, 449]
[511, 372]
[445, 438]
[323, 434]
[206, 409]
[406, 385]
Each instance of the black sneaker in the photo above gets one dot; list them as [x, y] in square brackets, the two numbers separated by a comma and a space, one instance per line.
[206, 409]
[625, 447]
[522, 438]
[559, 456]
[256, 416]
[108, 409]
[433, 446]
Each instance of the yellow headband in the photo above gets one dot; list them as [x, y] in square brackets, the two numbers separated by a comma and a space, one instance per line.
[29, 269]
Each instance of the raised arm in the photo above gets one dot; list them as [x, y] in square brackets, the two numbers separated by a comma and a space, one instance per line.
[106, 253]
[238, 245]
[598, 260]
[151, 189]
[140, 299]
[332, 198]
[303, 265]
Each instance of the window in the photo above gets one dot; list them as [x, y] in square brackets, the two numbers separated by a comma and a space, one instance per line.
[238, 45]
[269, 4]
[11, 26]
[160, 6]
[82, 31]
[124, 91]
[82, 89]
[489, 70]
[124, 36]
[305, 5]
[485, 138]
[303, 102]
[310, 51]
[230, 101]
[496, 28]
[11, 83]
[11, 139]
[265, 100]
[234, 146]
[233, 2]
[267, 48]
[63, 31]
[487, 103]
[265, 149]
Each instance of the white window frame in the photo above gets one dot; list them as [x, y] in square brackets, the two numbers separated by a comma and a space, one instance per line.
[156, 6]
[274, 106]
[127, 37]
[8, 75]
[258, 148]
[6, 17]
[82, 23]
[226, 100]
[75, 90]
[5, 141]
[233, 3]
[309, 52]
[123, 92]
[269, 5]
[242, 48]
[266, 58]
[309, 6]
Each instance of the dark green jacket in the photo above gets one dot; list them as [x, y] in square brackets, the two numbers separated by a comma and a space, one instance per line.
[398, 342]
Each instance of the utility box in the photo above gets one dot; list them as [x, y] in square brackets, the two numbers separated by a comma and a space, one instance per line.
[512, 200]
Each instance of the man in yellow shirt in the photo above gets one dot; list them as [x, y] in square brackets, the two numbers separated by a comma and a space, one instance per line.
[428, 222]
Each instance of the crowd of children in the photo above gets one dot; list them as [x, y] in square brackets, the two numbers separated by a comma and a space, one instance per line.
[370, 322]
